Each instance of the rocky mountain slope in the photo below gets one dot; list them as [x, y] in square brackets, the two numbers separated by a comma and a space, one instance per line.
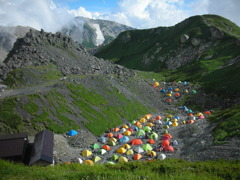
[56, 84]
[8, 36]
[91, 33]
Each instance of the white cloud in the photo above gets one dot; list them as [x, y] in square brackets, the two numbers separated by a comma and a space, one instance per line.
[42, 14]
[81, 11]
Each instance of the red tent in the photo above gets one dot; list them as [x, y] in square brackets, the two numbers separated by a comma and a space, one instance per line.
[158, 118]
[106, 147]
[136, 142]
[119, 136]
[151, 141]
[165, 143]
[168, 148]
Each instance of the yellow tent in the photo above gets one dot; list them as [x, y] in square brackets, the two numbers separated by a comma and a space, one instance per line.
[199, 114]
[86, 153]
[150, 124]
[169, 116]
[176, 89]
[151, 153]
[142, 120]
[140, 126]
[174, 124]
[121, 150]
[130, 152]
[127, 133]
[96, 159]
[90, 162]
[113, 139]
[126, 146]
[122, 159]
[125, 126]
[169, 95]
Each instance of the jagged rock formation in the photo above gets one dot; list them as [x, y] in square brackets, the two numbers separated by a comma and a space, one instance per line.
[8, 36]
[41, 48]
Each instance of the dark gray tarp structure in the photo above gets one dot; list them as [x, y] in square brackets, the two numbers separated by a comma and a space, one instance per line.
[14, 146]
[42, 148]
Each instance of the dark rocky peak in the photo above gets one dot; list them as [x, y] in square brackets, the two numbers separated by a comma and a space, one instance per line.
[40, 48]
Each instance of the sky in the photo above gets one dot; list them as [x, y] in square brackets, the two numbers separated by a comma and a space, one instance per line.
[51, 15]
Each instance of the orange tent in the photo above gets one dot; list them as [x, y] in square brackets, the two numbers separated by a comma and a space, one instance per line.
[106, 147]
[168, 148]
[116, 129]
[151, 141]
[109, 135]
[137, 156]
[168, 100]
[158, 117]
[136, 142]
[177, 94]
[190, 122]
[207, 112]
[137, 123]
[165, 143]
[190, 114]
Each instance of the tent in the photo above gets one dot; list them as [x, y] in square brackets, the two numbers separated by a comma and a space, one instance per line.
[136, 142]
[96, 159]
[102, 151]
[124, 139]
[140, 133]
[106, 147]
[72, 133]
[166, 127]
[135, 128]
[176, 117]
[139, 150]
[162, 156]
[137, 123]
[168, 100]
[86, 153]
[207, 112]
[123, 130]
[95, 146]
[109, 135]
[89, 162]
[190, 121]
[113, 139]
[150, 124]
[127, 133]
[165, 138]
[110, 162]
[130, 129]
[156, 84]
[147, 147]
[119, 136]
[174, 124]
[169, 135]
[125, 126]
[133, 122]
[122, 159]
[137, 156]
[78, 160]
[175, 143]
[158, 117]
[126, 146]
[163, 91]
[102, 139]
[142, 120]
[168, 149]
[147, 116]
[151, 141]
[147, 129]
[115, 157]
[151, 153]
[154, 135]
[165, 143]
[116, 129]
[201, 117]
[168, 123]
[176, 89]
[121, 150]
[130, 152]
[111, 143]
[169, 116]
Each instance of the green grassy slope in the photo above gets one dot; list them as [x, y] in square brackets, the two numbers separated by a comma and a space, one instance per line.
[96, 102]
[167, 169]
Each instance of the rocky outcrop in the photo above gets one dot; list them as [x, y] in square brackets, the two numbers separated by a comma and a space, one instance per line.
[39, 48]
[184, 38]
[216, 33]
[8, 36]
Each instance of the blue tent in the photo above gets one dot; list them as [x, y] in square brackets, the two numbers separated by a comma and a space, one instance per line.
[185, 82]
[170, 89]
[103, 139]
[124, 139]
[72, 133]
[163, 91]
[176, 117]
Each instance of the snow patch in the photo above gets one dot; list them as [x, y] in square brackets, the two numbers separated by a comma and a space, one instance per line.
[100, 38]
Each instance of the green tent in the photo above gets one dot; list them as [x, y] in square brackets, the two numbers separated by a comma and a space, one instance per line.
[154, 135]
[133, 122]
[147, 147]
[96, 159]
[110, 162]
[115, 157]
[95, 146]
[102, 151]
[147, 129]
[111, 143]
[140, 133]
